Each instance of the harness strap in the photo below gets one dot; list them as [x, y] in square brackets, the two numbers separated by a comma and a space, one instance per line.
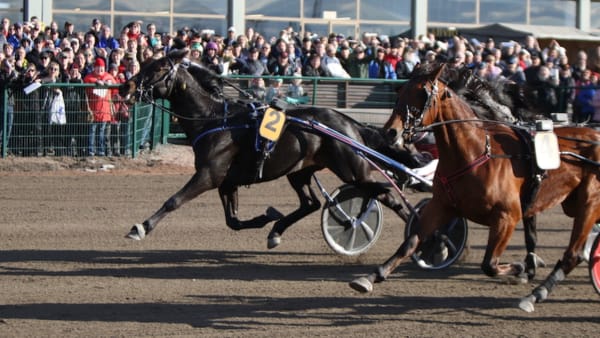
[476, 163]
[445, 180]
[225, 112]
[253, 114]
[217, 129]
[596, 143]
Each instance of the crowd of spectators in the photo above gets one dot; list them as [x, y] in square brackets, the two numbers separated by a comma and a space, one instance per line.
[35, 52]
[91, 122]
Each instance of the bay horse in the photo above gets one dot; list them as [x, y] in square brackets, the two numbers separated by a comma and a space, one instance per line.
[224, 136]
[506, 101]
[487, 175]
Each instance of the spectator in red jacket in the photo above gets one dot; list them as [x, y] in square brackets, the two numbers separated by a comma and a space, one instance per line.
[99, 102]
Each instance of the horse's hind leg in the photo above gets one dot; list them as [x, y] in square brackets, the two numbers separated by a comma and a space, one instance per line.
[388, 199]
[532, 260]
[309, 203]
[229, 199]
[569, 261]
[582, 226]
[194, 187]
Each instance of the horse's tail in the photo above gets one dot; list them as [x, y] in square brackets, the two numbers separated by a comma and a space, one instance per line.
[373, 189]
[373, 137]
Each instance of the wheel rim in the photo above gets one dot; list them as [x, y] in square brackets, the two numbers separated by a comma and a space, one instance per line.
[453, 235]
[352, 224]
[594, 264]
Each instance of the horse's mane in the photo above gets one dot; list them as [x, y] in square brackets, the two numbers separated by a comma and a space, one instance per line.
[206, 78]
[499, 100]
[199, 82]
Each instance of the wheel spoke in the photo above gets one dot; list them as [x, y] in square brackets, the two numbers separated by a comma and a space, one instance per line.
[361, 219]
[451, 247]
[342, 212]
[368, 209]
[352, 239]
[450, 227]
[368, 231]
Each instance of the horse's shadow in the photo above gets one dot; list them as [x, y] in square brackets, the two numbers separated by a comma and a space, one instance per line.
[227, 312]
[237, 311]
[202, 264]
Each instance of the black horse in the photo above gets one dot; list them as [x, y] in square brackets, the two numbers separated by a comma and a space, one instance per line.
[229, 153]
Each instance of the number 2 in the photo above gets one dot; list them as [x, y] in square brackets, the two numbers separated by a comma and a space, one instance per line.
[272, 124]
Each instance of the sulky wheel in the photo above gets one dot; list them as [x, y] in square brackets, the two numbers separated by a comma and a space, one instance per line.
[447, 246]
[351, 221]
[594, 263]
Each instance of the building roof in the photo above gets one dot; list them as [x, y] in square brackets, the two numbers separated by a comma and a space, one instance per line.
[505, 31]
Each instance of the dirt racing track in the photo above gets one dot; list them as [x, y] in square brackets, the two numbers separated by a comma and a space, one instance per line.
[67, 270]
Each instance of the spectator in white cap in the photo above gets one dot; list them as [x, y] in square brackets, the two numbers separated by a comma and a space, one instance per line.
[430, 56]
[75, 45]
[231, 37]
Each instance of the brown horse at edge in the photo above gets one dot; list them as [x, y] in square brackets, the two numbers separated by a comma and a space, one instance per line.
[482, 163]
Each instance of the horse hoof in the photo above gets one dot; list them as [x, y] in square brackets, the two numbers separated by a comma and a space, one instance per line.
[137, 232]
[538, 262]
[441, 256]
[518, 268]
[362, 285]
[519, 279]
[273, 241]
[526, 304]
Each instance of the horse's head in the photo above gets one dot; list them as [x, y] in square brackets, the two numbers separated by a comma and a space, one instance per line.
[416, 99]
[156, 79]
[173, 74]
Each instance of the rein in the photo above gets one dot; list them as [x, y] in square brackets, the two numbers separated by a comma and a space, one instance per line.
[596, 143]
[430, 127]
[224, 117]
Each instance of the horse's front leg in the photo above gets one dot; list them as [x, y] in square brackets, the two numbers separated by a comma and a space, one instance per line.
[229, 198]
[408, 247]
[499, 235]
[432, 219]
[195, 186]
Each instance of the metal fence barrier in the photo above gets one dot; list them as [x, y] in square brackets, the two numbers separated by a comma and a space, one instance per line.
[28, 128]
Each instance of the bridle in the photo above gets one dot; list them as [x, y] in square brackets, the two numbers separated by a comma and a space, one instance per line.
[413, 122]
[414, 116]
[145, 91]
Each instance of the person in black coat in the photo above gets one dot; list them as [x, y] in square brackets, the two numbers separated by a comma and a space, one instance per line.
[252, 65]
[29, 115]
[314, 68]
[8, 76]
